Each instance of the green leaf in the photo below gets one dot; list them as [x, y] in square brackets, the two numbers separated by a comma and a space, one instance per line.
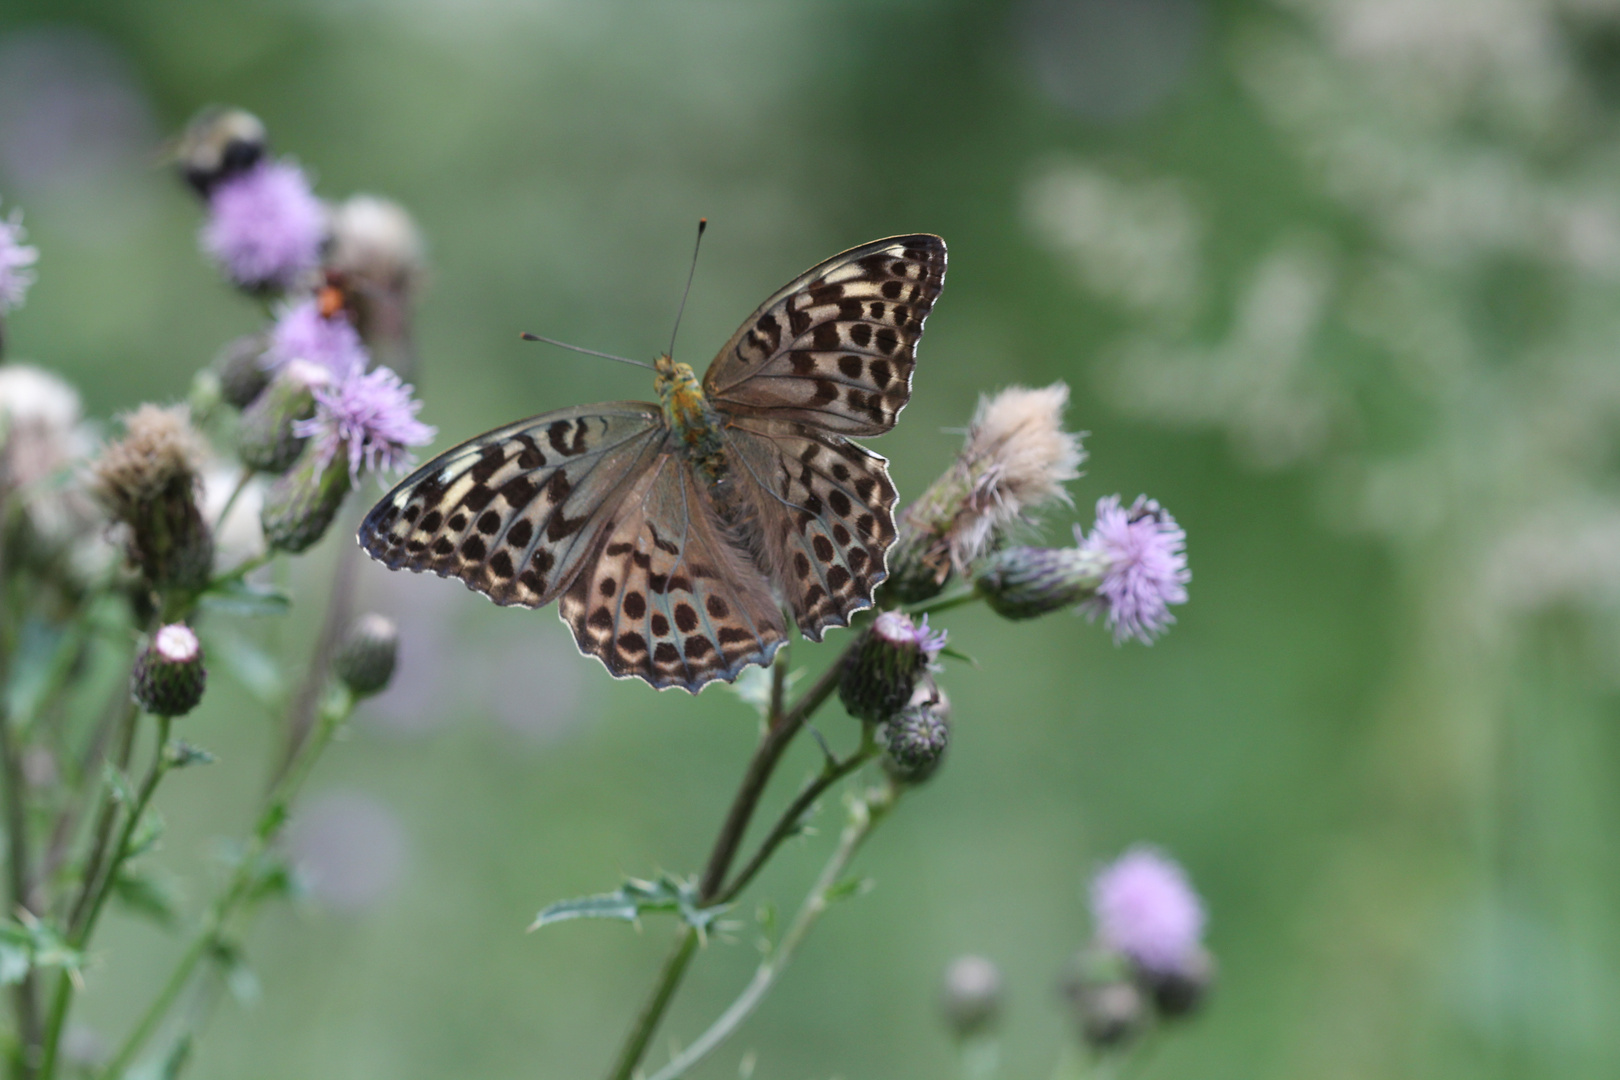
[851, 886]
[249, 665]
[238, 597]
[239, 977]
[148, 833]
[119, 783]
[33, 944]
[146, 895]
[958, 654]
[182, 754]
[633, 899]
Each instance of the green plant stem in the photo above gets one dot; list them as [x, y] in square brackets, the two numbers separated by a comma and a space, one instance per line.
[236, 493]
[242, 569]
[271, 819]
[62, 1000]
[26, 992]
[780, 728]
[106, 818]
[865, 815]
[945, 603]
[788, 824]
[301, 716]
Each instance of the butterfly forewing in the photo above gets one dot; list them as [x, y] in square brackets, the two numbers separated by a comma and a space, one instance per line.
[513, 512]
[836, 346]
[664, 596]
[825, 511]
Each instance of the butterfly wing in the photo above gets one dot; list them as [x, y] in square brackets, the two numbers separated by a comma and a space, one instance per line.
[664, 596]
[825, 511]
[514, 512]
[835, 347]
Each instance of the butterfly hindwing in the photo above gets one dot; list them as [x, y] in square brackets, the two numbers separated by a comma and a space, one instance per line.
[825, 512]
[836, 346]
[664, 596]
[513, 512]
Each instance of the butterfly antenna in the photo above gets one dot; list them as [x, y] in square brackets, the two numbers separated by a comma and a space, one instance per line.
[703, 223]
[526, 336]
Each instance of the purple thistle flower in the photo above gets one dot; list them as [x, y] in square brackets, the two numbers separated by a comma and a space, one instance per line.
[265, 227]
[301, 332]
[1146, 567]
[370, 416]
[16, 262]
[897, 628]
[1145, 908]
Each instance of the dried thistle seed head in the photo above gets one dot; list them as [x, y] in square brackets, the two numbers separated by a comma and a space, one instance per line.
[882, 671]
[1027, 582]
[300, 505]
[149, 480]
[971, 995]
[376, 247]
[169, 677]
[1016, 458]
[267, 439]
[365, 660]
[218, 144]
[915, 741]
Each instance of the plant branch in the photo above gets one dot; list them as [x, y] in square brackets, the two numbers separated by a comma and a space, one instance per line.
[780, 728]
[301, 716]
[340, 704]
[26, 991]
[62, 1000]
[865, 815]
[788, 824]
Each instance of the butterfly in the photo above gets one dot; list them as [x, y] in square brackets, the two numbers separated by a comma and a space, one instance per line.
[673, 534]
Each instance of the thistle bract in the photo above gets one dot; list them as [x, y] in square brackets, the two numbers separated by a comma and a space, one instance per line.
[267, 439]
[915, 741]
[300, 505]
[169, 677]
[1027, 582]
[365, 660]
[882, 672]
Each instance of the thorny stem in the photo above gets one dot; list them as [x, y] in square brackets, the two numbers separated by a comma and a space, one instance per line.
[240, 886]
[306, 702]
[865, 815]
[26, 991]
[236, 493]
[789, 823]
[780, 728]
[62, 1001]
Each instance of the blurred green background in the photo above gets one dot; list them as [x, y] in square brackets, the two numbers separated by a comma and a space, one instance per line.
[1335, 280]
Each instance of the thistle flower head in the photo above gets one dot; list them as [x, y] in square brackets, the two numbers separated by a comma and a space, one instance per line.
[1146, 559]
[17, 260]
[303, 332]
[169, 677]
[265, 226]
[914, 742]
[371, 418]
[971, 995]
[882, 672]
[1016, 458]
[365, 659]
[1026, 582]
[1146, 909]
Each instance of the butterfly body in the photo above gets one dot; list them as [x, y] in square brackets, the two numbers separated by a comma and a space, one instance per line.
[673, 535]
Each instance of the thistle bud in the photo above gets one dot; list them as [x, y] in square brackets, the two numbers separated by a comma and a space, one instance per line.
[1108, 1006]
[169, 676]
[365, 659]
[149, 481]
[971, 995]
[882, 671]
[266, 439]
[915, 741]
[300, 505]
[1027, 582]
[1181, 991]
[242, 374]
[219, 143]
